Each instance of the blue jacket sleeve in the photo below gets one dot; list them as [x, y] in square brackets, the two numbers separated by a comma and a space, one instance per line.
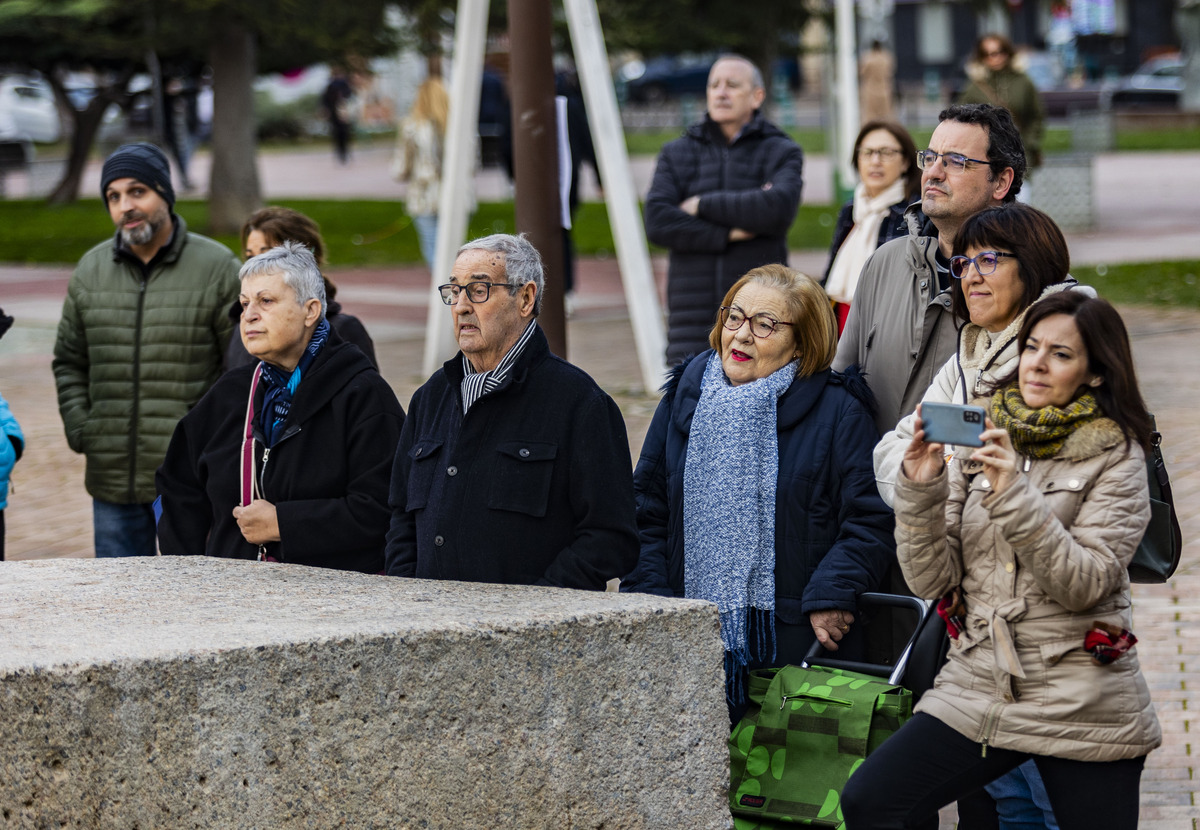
[865, 545]
[12, 442]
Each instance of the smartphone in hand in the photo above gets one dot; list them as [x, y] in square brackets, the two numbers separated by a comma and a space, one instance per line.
[953, 423]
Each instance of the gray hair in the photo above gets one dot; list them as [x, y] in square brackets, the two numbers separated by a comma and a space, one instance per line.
[756, 76]
[297, 265]
[522, 262]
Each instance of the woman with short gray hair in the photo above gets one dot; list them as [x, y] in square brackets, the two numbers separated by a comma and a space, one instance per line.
[311, 405]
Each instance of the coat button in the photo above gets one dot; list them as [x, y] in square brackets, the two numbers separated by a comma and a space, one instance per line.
[417, 452]
[985, 484]
[452, 470]
[524, 453]
[1008, 567]
[924, 283]
[1073, 484]
[1008, 698]
[439, 541]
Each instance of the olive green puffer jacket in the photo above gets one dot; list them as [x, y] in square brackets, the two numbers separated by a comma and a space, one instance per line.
[135, 353]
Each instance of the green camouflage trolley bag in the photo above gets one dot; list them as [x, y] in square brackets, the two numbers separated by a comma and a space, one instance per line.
[806, 731]
[809, 727]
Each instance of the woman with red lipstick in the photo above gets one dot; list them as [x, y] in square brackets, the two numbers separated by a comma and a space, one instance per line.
[889, 180]
[1027, 541]
[754, 487]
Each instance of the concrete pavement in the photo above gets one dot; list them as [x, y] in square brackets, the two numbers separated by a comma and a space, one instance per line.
[1147, 212]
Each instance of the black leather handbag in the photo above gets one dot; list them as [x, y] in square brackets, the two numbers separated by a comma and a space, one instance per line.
[1157, 556]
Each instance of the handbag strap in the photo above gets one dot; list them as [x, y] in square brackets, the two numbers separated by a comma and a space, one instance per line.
[1164, 491]
[250, 489]
[249, 462]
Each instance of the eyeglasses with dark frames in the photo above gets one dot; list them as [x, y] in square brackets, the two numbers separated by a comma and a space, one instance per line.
[985, 263]
[761, 325]
[477, 292]
[881, 153]
[951, 161]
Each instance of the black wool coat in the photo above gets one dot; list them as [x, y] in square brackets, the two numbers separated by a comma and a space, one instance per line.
[533, 486]
[327, 476]
[753, 184]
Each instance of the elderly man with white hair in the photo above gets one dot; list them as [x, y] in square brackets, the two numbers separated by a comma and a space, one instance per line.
[286, 459]
[513, 466]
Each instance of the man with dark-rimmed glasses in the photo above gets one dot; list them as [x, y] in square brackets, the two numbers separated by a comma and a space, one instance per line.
[901, 328]
[513, 465]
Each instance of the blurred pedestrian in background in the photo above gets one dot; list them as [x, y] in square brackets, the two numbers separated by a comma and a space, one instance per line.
[336, 100]
[417, 161]
[996, 78]
[877, 84]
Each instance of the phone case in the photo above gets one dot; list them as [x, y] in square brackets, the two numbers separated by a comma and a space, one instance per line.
[952, 423]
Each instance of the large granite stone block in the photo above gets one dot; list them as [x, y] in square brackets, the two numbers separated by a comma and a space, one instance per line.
[181, 692]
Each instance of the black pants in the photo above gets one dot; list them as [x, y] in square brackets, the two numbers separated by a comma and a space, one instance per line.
[927, 765]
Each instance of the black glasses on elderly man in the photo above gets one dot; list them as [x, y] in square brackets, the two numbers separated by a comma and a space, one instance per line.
[951, 161]
[761, 325]
[477, 292]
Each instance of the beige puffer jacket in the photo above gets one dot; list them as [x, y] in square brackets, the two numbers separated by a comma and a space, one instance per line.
[1037, 564]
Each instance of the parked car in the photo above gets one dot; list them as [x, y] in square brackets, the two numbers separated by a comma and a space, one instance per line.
[27, 104]
[1157, 83]
[675, 76]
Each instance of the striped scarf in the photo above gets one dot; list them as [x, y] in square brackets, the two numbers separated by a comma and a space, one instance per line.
[1040, 433]
[281, 386]
[729, 482]
[477, 384]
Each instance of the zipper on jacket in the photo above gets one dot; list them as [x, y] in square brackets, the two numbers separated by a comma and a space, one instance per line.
[262, 482]
[262, 470]
[137, 375]
[990, 722]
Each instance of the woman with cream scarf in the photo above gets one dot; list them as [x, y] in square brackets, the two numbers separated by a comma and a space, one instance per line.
[885, 158]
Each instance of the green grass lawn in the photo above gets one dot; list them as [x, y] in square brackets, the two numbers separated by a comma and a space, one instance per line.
[378, 233]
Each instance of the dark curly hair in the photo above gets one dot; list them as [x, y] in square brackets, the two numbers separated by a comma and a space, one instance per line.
[1005, 148]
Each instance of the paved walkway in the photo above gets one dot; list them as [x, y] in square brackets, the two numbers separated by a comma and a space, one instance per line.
[1147, 211]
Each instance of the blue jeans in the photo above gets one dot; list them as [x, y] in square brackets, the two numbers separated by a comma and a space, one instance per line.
[1021, 799]
[427, 227]
[123, 529]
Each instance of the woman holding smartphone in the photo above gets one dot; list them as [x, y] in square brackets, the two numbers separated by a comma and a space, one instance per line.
[1026, 540]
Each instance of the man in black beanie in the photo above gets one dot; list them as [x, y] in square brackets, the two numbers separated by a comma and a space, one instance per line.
[142, 334]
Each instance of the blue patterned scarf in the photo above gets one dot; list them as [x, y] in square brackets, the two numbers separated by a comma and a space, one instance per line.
[729, 486]
[281, 386]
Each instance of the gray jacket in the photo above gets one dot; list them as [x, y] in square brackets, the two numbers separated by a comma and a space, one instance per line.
[901, 330]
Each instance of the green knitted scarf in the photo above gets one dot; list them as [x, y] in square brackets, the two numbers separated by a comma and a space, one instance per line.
[1040, 433]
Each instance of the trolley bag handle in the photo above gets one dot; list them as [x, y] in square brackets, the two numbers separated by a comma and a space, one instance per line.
[892, 673]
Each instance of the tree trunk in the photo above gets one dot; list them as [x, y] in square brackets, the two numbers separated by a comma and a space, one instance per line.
[84, 126]
[234, 191]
